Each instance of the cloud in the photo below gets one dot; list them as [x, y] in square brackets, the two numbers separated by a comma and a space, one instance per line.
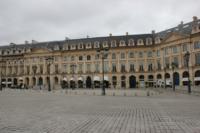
[46, 20]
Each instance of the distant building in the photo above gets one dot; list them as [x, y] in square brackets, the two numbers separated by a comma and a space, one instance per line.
[133, 61]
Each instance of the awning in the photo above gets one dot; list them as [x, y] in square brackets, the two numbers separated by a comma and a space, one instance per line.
[72, 78]
[96, 78]
[20, 78]
[4, 82]
[64, 79]
[9, 82]
[80, 78]
[184, 79]
[196, 78]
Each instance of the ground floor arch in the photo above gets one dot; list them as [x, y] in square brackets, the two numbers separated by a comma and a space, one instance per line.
[197, 77]
[132, 81]
[88, 82]
[123, 81]
[176, 78]
[114, 81]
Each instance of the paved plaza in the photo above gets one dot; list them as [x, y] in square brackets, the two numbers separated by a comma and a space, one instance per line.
[44, 112]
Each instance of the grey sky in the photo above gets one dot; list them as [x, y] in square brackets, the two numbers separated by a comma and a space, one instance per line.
[47, 20]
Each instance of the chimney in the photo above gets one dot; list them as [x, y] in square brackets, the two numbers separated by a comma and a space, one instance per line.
[180, 26]
[88, 36]
[195, 18]
[34, 41]
[66, 38]
[126, 33]
[110, 34]
[153, 32]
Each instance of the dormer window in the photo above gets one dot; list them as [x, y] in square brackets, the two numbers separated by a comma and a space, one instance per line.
[56, 47]
[149, 41]
[131, 42]
[140, 42]
[65, 46]
[73, 46]
[157, 40]
[122, 43]
[105, 44]
[113, 43]
[88, 45]
[96, 44]
[80, 46]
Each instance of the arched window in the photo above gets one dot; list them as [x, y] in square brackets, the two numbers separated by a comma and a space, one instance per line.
[131, 42]
[80, 58]
[96, 44]
[105, 44]
[140, 42]
[113, 43]
[149, 41]
[122, 43]
[88, 57]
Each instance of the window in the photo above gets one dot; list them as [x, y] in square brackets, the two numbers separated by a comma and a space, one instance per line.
[88, 68]
[197, 58]
[114, 68]
[122, 55]
[149, 54]
[174, 49]
[96, 56]
[65, 68]
[106, 67]
[158, 65]
[113, 56]
[150, 66]
[131, 55]
[197, 45]
[141, 67]
[176, 61]
[88, 57]
[65, 58]
[140, 42]
[167, 62]
[140, 54]
[158, 53]
[131, 42]
[88, 45]
[80, 68]
[80, 46]
[72, 58]
[80, 58]
[166, 51]
[113, 43]
[123, 67]
[96, 44]
[97, 67]
[148, 41]
[56, 68]
[132, 68]
[122, 43]
[105, 44]
[185, 47]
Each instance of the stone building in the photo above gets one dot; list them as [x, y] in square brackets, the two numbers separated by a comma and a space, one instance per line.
[132, 61]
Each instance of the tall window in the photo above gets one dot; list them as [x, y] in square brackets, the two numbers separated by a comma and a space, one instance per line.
[197, 45]
[106, 67]
[132, 68]
[141, 67]
[175, 49]
[197, 58]
[158, 53]
[158, 65]
[185, 47]
[72, 58]
[113, 56]
[114, 68]
[176, 61]
[122, 55]
[88, 57]
[97, 67]
[140, 54]
[150, 66]
[149, 54]
[80, 68]
[131, 55]
[80, 58]
[167, 62]
[123, 67]
[88, 68]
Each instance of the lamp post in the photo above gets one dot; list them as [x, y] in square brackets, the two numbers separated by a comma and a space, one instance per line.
[187, 59]
[173, 67]
[49, 61]
[164, 77]
[73, 67]
[103, 53]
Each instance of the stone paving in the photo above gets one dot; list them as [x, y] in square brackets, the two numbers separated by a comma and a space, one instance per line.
[44, 112]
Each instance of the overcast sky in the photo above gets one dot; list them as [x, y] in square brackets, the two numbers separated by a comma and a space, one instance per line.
[47, 20]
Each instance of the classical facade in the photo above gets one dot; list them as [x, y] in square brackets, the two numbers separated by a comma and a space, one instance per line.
[132, 60]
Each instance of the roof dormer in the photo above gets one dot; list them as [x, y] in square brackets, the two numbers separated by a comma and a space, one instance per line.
[140, 42]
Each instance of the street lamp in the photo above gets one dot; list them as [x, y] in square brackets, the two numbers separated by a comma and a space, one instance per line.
[103, 52]
[73, 67]
[49, 61]
[174, 65]
[187, 59]
[164, 77]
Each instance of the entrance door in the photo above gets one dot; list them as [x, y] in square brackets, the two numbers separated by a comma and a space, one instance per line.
[132, 81]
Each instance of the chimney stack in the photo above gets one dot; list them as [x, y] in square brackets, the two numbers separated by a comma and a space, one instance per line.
[153, 32]
[126, 33]
[26, 42]
[110, 34]
[195, 18]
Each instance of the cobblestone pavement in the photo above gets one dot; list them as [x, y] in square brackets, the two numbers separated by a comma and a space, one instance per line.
[43, 112]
